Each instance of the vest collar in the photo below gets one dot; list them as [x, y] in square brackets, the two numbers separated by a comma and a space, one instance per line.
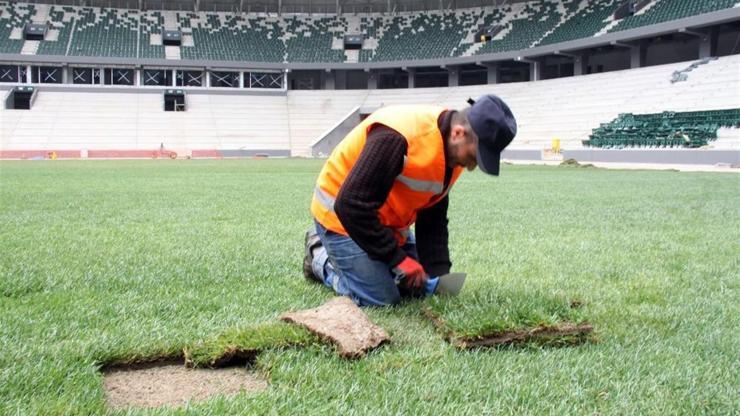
[443, 123]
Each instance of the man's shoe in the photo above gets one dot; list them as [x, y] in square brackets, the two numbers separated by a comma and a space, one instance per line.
[312, 241]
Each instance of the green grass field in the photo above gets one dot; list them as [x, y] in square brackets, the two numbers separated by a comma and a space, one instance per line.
[119, 260]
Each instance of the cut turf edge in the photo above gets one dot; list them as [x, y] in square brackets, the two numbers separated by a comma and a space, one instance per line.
[239, 346]
[242, 345]
[140, 363]
[561, 334]
[558, 335]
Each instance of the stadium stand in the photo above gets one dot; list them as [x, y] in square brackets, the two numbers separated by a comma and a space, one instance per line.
[61, 20]
[128, 33]
[105, 32]
[419, 36]
[529, 24]
[588, 19]
[665, 10]
[564, 108]
[373, 30]
[486, 18]
[13, 18]
[114, 121]
[667, 129]
[229, 37]
[310, 39]
[544, 112]
[150, 35]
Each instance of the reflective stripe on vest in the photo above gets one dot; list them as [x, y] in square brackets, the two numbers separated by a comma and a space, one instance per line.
[326, 200]
[420, 185]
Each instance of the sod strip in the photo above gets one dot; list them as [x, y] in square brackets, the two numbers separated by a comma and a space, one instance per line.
[243, 345]
[565, 334]
[343, 323]
[494, 316]
[562, 334]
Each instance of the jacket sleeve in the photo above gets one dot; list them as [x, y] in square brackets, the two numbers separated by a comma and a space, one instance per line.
[432, 238]
[366, 189]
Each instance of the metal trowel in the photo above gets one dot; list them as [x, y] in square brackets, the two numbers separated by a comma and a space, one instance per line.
[447, 284]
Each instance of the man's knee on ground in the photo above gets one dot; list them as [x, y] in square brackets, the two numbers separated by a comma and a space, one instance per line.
[388, 300]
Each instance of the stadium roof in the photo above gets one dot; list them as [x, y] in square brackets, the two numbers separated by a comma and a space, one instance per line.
[285, 6]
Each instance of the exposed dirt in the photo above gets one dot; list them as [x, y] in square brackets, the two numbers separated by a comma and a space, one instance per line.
[342, 322]
[173, 385]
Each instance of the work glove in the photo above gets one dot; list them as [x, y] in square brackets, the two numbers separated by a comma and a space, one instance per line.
[411, 275]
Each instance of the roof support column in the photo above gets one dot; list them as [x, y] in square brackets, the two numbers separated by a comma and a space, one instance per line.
[534, 67]
[453, 76]
[638, 53]
[329, 79]
[492, 72]
[412, 76]
[707, 41]
[372, 79]
[578, 61]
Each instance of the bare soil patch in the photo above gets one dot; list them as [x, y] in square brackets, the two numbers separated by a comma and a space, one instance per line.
[343, 323]
[147, 386]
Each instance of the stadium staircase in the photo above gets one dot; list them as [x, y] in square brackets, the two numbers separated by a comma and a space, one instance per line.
[40, 16]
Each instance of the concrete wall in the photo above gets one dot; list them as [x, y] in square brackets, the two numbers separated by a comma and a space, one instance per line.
[326, 143]
[656, 156]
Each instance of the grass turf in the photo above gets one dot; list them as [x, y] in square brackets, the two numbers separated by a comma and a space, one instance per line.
[105, 261]
[505, 317]
[242, 345]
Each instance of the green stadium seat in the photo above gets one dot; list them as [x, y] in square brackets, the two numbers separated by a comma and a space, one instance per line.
[665, 10]
[150, 23]
[526, 29]
[666, 129]
[61, 19]
[14, 16]
[105, 32]
[583, 23]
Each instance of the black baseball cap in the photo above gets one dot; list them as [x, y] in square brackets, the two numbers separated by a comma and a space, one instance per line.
[495, 126]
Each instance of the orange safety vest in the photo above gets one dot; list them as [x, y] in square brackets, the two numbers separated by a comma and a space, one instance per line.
[420, 184]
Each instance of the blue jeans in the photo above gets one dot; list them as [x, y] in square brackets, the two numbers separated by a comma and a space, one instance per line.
[349, 271]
